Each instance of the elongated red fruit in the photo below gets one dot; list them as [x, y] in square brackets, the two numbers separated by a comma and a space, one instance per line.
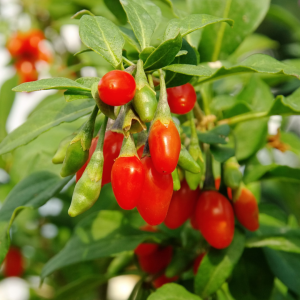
[164, 143]
[182, 206]
[246, 210]
[146, 248]
[14, 265]
[215, 219]
[197, 262]
[156, 194]
[127, 178]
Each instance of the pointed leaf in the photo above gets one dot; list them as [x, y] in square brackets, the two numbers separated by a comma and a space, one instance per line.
[191, 23]
[164, 54]
[58, 83]
[141, 22]
[48, 116]
[130, 38]
[256, 63]
[172, 291]
[103, 37]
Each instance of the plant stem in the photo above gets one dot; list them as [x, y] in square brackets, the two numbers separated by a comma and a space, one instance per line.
[101, 135]
[209, 182]
[243, 118]
[129, 62]
[205, 93]
[190, 116]
[150, 80]
[198, 112]
[220, 34]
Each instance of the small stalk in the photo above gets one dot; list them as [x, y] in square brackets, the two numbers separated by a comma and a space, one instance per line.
[209, 182]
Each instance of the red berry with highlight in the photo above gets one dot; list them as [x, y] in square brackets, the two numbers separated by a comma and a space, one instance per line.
[116, 88]
[181, 98]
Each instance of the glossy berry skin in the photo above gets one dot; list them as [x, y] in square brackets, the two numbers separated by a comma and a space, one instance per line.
[246, 210]
[165, 145]
[111, 150]
[156, 194]
[161, 280]
[193, 220]
[197, 262]
[157, 261]
[13, 263]
[215, 219]
[182, 206]
[127, 178]
[26, 70]
[116, 88]
[91, 151]
[140, 151]
[217, 185]
[181, 98]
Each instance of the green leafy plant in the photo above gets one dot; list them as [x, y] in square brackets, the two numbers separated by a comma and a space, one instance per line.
[184, 102]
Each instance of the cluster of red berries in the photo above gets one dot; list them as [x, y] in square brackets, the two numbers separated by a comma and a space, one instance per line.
[145, 181]
[26, 49]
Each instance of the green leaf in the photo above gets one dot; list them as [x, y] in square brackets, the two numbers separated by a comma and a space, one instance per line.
[57, 83]
[172, 291]
[116, 8]
[217, 266]
[282, 243]
[141, 22]
[174, 10]
[286, 267]
[103, 37]
[216, 135]
[286, 105]
[80, 286]
[221, 153]
[32, 192]
[7, 97]
[272, 171]
[253, 43]
[164, 54]
[88, 81]
[83, 51]
[251, 278]
[250, 136]
[76, 95]
[219, 40]
[130, 38]
[152, 9]
[100, 234]
[176, 79]
[190, 24]
[257, 94]
[44, 119]
[256, 63]
[181, 52]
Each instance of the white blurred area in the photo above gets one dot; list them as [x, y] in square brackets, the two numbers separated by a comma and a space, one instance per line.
[120, 287]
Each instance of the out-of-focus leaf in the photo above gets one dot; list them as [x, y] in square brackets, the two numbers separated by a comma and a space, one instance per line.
[221, 153]
[217, 266]
[42, 120]
[219, 40]
[286, 267]
[172, 291]
[116, 8]
[7, 97]
[100, 234]
[251, 278]
[272, 171]
[250, 136]
[216, 135]
[32, 192]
